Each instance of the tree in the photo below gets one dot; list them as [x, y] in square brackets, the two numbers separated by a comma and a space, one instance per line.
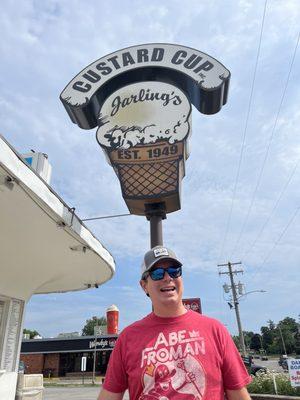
[288, 328]
[236, 340]
[268, 336]
[272, 337]
[289, 324]
[31, 333]
[248, 335]
[297, 342]
[271, 324]
[255, 343]
[88, 329]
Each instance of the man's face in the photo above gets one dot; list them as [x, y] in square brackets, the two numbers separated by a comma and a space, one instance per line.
[166, 291]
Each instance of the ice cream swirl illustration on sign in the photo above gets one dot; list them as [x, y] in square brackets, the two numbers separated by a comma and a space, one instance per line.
[143, 130]
[144, 113]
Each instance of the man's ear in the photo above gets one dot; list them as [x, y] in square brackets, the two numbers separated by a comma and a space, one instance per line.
[143, 284]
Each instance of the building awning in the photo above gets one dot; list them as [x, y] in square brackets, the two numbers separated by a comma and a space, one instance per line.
[70, 345]
[44, 246]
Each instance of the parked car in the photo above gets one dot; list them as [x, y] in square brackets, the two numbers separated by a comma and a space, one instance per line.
[254, 368]
[283, 361]
[251, 367]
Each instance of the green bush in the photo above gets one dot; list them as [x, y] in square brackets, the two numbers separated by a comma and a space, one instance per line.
[262, 383]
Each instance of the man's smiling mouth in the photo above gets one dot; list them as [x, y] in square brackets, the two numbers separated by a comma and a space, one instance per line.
[168, 289]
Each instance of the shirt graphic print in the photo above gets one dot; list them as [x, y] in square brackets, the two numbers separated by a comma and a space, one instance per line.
[190, 356]
[171, 368]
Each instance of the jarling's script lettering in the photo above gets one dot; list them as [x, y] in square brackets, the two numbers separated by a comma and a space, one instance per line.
[176, 346]
[144, 95]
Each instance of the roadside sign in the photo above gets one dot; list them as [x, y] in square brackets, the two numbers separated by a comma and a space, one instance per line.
[83, 364]
[294, 371]
[141, 98]
[192, 304]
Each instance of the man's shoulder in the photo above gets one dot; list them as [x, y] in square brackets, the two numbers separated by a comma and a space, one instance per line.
[193, 317]
[137, 325]
[207, 321]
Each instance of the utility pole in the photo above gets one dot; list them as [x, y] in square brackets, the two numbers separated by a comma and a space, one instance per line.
[97, 332]
[235, 300]
[283, 343]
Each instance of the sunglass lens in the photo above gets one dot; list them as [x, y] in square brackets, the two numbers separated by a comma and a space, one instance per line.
[157, 274]
[174, 272]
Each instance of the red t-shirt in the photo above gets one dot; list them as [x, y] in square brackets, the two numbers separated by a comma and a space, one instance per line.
[186, 357]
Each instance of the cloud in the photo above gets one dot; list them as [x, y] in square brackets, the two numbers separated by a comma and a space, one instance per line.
[45, 44]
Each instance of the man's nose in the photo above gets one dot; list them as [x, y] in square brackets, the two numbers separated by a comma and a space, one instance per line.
[167, 277]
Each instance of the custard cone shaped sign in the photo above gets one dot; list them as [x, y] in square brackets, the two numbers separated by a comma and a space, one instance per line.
[143, 113]
[143, 129]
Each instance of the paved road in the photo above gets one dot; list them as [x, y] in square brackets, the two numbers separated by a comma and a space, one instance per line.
[270, 364]
[91, 393]
[74, 393]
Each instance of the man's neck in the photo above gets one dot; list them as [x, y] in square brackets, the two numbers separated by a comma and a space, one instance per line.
[169, 311]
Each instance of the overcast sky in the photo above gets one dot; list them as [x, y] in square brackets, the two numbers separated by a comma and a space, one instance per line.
[240, 196]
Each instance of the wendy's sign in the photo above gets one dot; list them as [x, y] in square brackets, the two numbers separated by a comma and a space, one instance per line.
[203, 78]
[140, 98]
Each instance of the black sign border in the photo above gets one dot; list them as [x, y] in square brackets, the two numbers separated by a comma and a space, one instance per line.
[207, 101]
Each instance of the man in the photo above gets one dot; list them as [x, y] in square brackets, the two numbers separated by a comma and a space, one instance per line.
[173, 353]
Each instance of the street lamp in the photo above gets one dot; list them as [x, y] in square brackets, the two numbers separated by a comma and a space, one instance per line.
[252, 291]
[235, 305]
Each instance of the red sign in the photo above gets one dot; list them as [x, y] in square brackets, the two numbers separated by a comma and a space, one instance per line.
[193, 304]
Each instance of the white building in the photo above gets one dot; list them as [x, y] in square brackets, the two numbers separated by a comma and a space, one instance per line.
[44, 248]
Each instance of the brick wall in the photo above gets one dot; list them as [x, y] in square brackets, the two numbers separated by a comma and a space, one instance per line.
[52, 362]
[37, 363]
[34, 363]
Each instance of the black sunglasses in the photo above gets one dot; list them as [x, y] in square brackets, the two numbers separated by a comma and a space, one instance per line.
[158, 273]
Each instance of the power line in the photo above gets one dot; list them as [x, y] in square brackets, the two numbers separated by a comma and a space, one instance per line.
[282, 234]
[244, 135]
[278, 240]
[273, 210]
[267, 151]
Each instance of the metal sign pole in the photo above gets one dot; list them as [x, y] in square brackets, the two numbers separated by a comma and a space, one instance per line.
[83, 367]
[97, 332]
[156, 235]
[155, 213]
[95, 354]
